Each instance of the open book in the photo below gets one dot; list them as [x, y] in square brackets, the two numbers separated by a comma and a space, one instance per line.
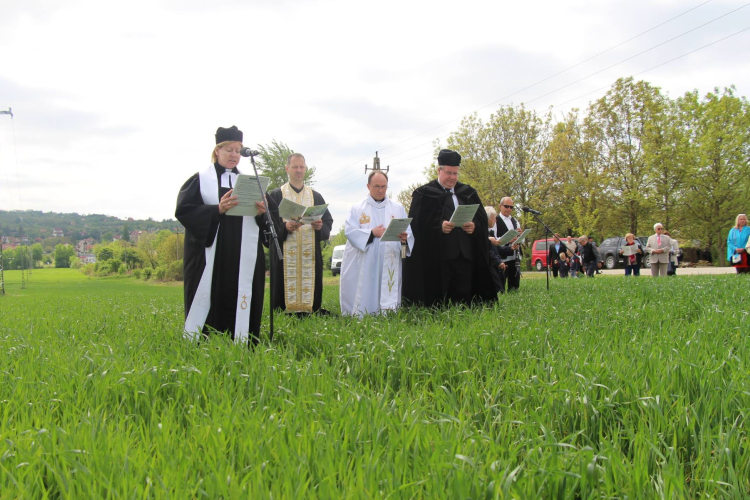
[290, 210]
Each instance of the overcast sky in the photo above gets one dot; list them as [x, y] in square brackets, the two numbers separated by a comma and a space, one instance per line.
[116, 104]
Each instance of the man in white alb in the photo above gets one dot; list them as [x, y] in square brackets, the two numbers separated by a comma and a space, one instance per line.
[371, 269]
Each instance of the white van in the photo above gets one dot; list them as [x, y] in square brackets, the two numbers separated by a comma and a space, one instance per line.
[338, 255]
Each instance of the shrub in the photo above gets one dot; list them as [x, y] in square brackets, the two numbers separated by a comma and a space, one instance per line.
[147, 273]
[175, 271]
[122, 269]
[114, 265]
[137, 273]
[161, 273]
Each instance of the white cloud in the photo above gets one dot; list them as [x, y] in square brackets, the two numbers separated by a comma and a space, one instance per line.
[116, 104]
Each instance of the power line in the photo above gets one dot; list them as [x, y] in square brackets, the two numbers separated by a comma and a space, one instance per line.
[521, 90]
[636, 55]
[607, 86]
[660, 64]
[620, 62]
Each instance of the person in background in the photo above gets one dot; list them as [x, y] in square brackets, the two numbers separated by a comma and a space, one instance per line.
[736, 244]
[497, 266]
[573, 256]
[632, 262]
[591, 259]
[509, 252]
[659, 245]
[553, 255]
[674, 255]
[563, 264]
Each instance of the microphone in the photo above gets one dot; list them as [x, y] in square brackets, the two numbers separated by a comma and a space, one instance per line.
[248, 152]
[531, 210]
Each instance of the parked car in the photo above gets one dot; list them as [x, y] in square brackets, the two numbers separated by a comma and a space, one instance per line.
[539, 253]
[610, 251]
[338, 254]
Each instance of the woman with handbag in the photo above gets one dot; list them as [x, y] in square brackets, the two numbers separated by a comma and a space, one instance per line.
[737, 239]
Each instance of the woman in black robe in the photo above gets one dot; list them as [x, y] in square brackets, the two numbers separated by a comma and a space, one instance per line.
[213, 301]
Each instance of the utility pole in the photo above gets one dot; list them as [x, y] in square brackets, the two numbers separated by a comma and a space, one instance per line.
[8, 111]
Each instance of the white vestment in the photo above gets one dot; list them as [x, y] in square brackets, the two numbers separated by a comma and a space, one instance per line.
[371, 273]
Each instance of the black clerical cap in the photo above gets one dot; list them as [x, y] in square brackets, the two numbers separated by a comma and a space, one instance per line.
[449, 158]
[232, 134]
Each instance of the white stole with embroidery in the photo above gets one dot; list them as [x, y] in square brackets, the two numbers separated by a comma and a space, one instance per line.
[209, 185]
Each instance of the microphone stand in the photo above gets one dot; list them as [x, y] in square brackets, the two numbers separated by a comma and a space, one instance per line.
[547, 232]
[274, 249]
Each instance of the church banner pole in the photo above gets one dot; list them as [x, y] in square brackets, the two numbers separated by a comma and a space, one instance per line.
[275, 249]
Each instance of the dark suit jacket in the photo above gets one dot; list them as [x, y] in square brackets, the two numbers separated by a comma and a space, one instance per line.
[505, 250]
[495, 261]
[553, 255]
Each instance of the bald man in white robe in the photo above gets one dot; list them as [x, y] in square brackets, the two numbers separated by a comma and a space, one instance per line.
[371, 268]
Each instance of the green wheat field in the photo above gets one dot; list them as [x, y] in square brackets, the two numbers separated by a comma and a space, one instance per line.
[599, 388]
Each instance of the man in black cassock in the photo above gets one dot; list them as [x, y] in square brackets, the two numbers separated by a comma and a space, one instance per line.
[298, 279]
[448, 264]
[224, 265]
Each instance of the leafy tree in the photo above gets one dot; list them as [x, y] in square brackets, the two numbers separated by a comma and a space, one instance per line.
[37, 252]
[147, 244]
[104, 253]
[717, 180]
[619, 123]
[125, 233]
[171, 249]
[271, 163]
[668, 157]
[63, 253]
[130, 257]
[574, 178]
[107, 236]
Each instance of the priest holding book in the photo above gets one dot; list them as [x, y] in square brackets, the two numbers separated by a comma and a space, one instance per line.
[449, 262]
[224, 267]
[371, 266]
[298, 279]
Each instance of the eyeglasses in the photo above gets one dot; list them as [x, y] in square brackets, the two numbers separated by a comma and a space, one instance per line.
[508, 206]
[660, 229]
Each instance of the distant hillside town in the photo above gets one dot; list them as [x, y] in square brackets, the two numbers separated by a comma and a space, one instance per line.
[33, 238]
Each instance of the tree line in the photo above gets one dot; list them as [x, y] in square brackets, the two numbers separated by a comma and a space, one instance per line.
[632, 158]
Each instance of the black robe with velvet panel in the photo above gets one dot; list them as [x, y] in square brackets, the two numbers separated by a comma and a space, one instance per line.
[423, 279]
[200, 222]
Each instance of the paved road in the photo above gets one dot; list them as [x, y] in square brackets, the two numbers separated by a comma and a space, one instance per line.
[681, 271]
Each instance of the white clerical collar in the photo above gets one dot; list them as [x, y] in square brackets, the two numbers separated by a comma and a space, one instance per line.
[228, 178]
[371, 201]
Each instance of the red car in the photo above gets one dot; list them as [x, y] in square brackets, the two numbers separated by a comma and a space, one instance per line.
[539, 253]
